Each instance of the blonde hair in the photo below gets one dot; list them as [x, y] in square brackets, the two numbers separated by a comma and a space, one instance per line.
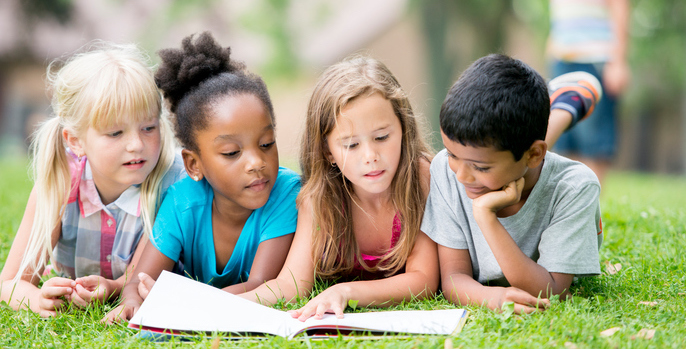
[335, 250]
[107, 85]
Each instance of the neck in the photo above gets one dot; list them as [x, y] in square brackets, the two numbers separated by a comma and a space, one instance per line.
[373, 202]
[230, 212]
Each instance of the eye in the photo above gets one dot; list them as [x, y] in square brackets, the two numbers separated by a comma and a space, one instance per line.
[149, 128]
[350, 146]
[382, 138]
[231, 154]
[267, 145]
[115, 133]
[481, 169]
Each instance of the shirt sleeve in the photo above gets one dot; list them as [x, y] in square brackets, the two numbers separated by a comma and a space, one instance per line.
[280, 214]
[570, 243]
[167, 233]
[440, 222]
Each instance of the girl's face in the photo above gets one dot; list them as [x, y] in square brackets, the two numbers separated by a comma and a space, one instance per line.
[121, 155]
[237, 152]
[366, 144]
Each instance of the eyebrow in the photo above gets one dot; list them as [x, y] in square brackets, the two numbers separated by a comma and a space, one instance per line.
[345, 137]
[470, 160]
[233, 137]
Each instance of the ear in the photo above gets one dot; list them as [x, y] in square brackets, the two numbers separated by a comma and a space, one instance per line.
[191, 160]
[73, 142]
[327, 154]
[536, 153]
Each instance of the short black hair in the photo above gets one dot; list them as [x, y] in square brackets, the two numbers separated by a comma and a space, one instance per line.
[498, 101]
[194, 76]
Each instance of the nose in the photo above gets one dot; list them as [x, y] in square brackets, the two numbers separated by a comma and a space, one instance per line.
[370, 154]
[135, 142]
[463, 173]
[255, 161]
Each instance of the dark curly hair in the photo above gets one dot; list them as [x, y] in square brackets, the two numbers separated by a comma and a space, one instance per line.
[195, 76]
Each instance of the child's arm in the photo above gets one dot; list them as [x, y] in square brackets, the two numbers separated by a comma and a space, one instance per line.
[419, 281]
[520, 270]
[151, 262]
[296, 278]
[45, 301]
[97, 288]
[268, 261]
[460, 287]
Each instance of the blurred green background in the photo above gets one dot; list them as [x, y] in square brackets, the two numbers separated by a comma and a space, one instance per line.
[425, 43]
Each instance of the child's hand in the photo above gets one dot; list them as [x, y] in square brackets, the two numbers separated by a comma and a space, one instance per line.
[523, 301]
[124, 312]
[496, 200]
[145, 285]
[332, 300]
[92, 288]
[54, 294]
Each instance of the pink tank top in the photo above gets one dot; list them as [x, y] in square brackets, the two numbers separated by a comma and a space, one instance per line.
[373, 260]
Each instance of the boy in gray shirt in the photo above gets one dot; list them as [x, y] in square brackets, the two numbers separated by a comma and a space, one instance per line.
[513, 222]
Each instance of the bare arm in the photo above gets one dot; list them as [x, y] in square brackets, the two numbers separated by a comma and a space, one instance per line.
[616, 74]
[151, 262]
[269, 259]
[460, 287]
[25, 293]
[420, 280]
[296, 278]
[520, 270]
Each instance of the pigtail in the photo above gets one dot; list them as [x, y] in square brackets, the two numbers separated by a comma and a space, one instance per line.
[151, 188]
[52, 182]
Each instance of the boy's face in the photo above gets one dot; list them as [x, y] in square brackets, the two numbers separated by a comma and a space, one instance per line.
[483, 169]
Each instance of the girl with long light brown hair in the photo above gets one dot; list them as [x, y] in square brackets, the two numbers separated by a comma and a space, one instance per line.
[365, 182]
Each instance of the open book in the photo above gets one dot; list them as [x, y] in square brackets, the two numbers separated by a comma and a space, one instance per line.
[179, 305]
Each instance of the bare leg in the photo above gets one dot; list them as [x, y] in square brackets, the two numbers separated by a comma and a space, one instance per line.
[557, 124]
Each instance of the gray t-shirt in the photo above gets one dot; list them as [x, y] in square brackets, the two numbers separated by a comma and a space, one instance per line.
[558, 227]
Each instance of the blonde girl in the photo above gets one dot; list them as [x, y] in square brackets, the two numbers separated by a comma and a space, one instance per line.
[100, 164]
[366, 179]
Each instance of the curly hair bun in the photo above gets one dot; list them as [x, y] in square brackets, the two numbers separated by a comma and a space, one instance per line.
[198, 60]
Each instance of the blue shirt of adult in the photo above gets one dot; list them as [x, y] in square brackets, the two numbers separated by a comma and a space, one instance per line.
[183, 228]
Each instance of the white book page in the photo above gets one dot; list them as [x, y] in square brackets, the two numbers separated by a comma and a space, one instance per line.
[182, 304]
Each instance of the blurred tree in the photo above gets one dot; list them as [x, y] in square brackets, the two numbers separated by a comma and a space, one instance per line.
[448, 26]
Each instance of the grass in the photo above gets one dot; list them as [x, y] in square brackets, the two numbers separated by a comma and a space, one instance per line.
[645, 225]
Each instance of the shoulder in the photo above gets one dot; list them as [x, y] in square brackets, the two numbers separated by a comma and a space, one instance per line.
[569, 173]
[187, 192]
[284, 192]
[425, 175]
[287, 180]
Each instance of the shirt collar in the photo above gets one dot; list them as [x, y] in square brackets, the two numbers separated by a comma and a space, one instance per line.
[128, 201]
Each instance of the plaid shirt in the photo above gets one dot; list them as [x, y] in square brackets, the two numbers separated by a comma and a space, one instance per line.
[97, 239]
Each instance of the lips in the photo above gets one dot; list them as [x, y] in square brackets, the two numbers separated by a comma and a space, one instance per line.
[475, 190]
[374, 174]
[258, 184]
[135, 164]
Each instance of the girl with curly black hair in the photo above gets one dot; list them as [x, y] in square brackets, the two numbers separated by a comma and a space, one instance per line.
[231, 221]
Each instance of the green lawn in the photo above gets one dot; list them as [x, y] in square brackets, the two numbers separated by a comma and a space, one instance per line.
[645, 226]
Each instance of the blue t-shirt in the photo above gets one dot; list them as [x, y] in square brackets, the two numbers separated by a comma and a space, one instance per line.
[183, 228]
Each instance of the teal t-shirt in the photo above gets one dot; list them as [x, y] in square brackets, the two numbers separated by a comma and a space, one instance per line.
[183, 228]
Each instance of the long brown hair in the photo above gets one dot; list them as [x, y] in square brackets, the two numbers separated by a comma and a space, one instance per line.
[335, 251]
